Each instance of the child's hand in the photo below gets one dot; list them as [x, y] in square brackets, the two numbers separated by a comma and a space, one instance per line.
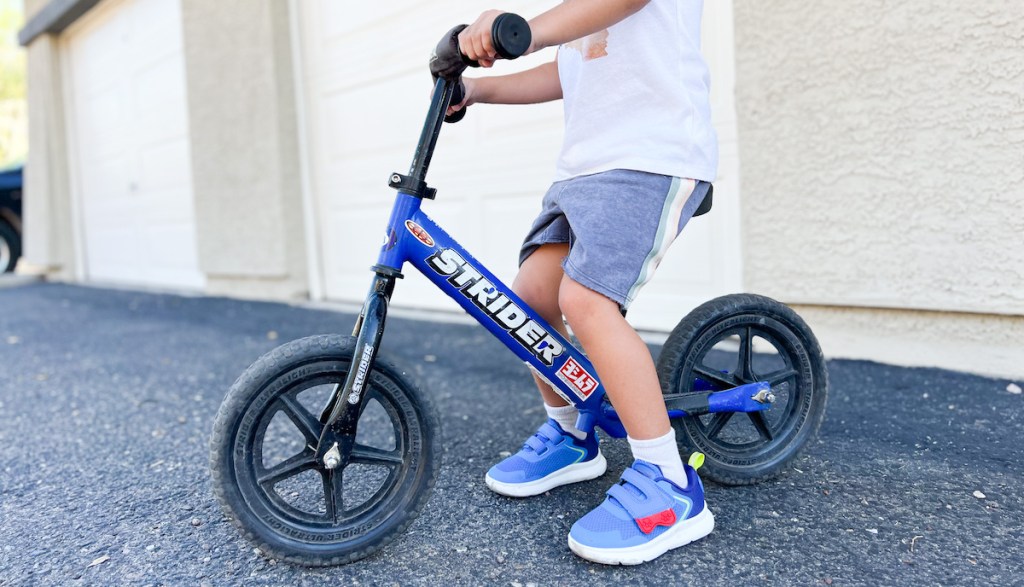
[467, 100]
[475, 40]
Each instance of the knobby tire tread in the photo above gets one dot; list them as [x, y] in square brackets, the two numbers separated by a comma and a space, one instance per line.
[704, 316]
[264, 370]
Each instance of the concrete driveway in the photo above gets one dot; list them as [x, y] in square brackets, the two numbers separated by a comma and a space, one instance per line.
[107, 400]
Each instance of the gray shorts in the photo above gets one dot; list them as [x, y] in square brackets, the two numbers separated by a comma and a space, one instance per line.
[618, 225]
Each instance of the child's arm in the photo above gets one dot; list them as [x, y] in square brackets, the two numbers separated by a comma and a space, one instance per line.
[570, 20]
[532, 86]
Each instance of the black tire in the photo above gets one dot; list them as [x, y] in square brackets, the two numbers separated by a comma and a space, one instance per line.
[10, 247]
[272, 412]
[741, 449]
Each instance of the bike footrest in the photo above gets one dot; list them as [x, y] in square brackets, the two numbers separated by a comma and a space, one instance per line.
[751, 397]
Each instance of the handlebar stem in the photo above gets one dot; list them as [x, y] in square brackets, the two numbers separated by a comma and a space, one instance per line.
[439, 101]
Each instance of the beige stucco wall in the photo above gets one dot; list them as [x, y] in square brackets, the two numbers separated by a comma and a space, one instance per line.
[47, 225]
[245, 165]
[976, 343]
[882, 156]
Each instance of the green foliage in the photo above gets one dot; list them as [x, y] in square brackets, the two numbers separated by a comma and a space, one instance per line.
[13, 122]
[12, 56]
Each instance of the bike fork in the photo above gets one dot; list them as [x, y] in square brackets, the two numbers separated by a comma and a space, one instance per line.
[341, 415]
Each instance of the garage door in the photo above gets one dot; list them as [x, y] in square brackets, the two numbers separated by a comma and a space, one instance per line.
[129, 132]
[365, 100]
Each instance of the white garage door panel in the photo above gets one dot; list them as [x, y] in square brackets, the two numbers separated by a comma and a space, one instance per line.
[104, 179]
[160, 165]
[497, 158]
[129, 127]
[368, 128]
[365, 106]
[355, 243]
[118, 259]
[354, 249]
[371, 189]
[338, 18]
[366, 40]
[100, 112]
[96, 64]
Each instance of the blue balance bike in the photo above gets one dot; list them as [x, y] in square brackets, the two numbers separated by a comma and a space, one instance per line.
[324, 451]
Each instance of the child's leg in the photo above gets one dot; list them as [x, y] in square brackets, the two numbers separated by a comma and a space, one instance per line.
[556, 454]
[653, 509]
[620, 224]
[627, 372]
[537, 283]
[621, 358]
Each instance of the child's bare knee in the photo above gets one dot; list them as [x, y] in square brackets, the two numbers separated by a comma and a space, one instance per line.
[535, 292]
[575, 301]
[578, 303]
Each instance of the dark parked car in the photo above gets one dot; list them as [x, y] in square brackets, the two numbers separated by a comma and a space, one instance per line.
[10, 218]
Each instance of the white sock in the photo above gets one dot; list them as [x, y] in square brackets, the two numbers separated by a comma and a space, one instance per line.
[566, 418]
[661, 451]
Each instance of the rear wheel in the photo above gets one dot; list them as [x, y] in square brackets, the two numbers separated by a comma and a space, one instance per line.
[738, 339]
[271, 486]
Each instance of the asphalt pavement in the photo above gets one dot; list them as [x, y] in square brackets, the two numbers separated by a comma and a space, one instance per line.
[107, 399]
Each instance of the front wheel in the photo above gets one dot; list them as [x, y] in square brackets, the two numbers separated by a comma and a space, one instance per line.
[738, 339]
[262, 452]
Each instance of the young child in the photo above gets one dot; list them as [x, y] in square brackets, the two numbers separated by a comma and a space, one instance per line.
[639, 152]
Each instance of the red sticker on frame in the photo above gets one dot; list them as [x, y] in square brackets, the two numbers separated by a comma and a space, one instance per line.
[581, 382]
[418, 232]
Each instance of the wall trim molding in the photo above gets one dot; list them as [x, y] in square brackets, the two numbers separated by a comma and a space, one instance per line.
[54, 18]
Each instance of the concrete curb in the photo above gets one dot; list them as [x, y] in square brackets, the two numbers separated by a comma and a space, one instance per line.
[9, 280]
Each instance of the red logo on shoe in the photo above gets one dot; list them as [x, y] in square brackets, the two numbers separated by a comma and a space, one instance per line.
[583, 383]
[665, 518]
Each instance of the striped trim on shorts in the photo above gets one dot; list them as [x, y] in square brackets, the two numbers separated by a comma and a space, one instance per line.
[618, 224]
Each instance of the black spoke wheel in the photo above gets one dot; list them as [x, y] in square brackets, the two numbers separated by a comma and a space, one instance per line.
[271, 486]
[738, 339]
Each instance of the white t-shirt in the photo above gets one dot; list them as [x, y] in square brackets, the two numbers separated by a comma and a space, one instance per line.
[636, 97]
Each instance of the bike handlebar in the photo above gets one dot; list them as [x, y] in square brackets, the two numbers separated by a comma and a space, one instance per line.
[511, 36]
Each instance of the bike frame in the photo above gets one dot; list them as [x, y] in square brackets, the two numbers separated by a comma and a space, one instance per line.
[412, 237]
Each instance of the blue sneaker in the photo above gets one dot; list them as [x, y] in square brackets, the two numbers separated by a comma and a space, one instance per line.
[550, 458]
[644, 516]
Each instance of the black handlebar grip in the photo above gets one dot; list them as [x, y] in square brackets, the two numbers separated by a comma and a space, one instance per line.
[447, 61]
[455, 116]
[457, 96]
[511, 35]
